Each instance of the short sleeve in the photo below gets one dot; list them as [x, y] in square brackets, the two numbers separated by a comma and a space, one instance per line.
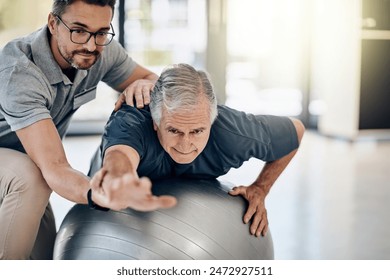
[24, 96]
[241, 136]
[119, 64]
[124, 127]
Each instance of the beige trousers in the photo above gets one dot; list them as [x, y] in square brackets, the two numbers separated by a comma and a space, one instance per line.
[27, 226]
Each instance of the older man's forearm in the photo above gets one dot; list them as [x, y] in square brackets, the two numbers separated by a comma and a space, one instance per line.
[116, 163]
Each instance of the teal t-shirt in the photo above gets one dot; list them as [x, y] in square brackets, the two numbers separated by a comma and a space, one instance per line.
[235, 137]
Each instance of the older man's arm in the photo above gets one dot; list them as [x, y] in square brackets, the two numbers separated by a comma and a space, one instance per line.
[119, 171]
[258, 190]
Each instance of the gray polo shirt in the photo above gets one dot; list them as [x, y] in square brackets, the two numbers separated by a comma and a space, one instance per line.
[33, 87]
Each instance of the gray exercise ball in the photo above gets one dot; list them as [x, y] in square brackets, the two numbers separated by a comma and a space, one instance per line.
[205, 224]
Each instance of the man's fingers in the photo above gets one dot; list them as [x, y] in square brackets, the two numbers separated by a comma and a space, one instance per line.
[259, 224]
[144, 200]
[256, 221]
[129, 95]
[258, 228]
[97, 179]
[139, 99]
[145, 183]
[153, 203]
[167, 201]
[146, 95]
[265, 229]
[120, 101]
[139, 91]
[250, 212]
[237, 191]
[128, 191]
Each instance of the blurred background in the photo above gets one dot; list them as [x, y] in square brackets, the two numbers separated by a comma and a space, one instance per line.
[324, 62]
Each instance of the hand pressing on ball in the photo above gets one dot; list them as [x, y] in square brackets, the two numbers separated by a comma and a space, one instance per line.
[256, 211]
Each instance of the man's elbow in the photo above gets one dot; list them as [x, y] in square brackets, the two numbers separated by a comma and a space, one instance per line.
[299, 127]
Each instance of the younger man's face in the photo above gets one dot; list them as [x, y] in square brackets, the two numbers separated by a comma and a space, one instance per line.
[82, 17]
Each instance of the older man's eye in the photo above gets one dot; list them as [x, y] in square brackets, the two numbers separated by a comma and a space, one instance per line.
[173, 131]
[197, 131]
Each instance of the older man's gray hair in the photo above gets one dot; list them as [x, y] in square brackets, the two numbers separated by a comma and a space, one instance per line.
[179, 87]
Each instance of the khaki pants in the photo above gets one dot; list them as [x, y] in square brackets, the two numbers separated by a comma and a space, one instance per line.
[27, 226]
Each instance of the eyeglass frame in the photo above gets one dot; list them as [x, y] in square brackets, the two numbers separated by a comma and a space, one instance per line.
[94, 34]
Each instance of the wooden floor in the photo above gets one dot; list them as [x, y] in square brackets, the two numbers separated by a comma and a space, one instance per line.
[332, 202]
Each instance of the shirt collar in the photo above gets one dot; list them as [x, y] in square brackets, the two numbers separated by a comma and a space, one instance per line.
[44, 59]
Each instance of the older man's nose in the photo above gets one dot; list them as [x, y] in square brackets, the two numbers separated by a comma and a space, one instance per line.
[185, 143]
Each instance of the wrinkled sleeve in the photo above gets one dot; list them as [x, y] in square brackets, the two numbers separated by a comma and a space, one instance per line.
[124, 127]
[119, 64]
[241, 136]
[24, 97]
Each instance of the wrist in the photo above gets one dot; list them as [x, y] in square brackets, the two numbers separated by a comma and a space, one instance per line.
[92, 204]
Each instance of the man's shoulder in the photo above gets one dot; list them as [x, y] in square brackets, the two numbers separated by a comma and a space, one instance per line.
[18, 52]
[128, 110]
[15, 55]
[17, 68]
[132, 127]
[229, 118]
[130, 116]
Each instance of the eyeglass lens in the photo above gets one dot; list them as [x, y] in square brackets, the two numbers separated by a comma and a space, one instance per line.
[81, 37]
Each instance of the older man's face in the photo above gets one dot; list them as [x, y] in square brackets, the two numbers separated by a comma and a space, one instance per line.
[184, 134]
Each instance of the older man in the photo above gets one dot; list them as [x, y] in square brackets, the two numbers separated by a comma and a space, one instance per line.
[185, 133]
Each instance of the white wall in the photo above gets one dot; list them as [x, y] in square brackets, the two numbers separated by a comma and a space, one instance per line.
[335, 64]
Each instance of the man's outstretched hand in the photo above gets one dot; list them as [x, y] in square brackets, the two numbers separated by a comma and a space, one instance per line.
[126, 191]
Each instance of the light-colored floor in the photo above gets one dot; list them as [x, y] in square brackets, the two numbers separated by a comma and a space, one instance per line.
[332, 202]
